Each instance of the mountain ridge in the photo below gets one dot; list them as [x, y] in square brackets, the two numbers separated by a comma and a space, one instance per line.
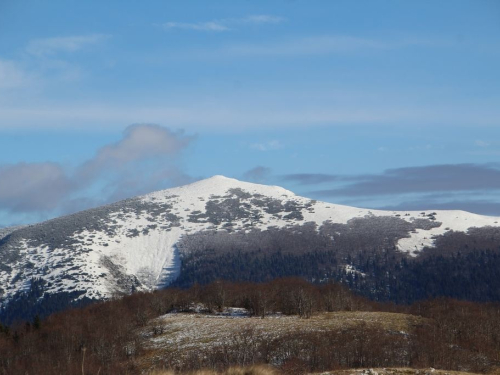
[144, 243]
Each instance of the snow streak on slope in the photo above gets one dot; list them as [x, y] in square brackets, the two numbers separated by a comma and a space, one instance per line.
[131, 245]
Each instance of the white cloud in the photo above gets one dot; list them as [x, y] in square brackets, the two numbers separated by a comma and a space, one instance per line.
[261, 18]
[225, 24]
[317, 45]
[139, 142]
[267, 146]
[50, 46]
[481, 143]
[258, 109]
[200, 26]
[236, 116]
[12, 76]
[42, 66]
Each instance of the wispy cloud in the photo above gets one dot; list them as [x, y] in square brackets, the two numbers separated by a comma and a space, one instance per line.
[139, 143]
[51, 46]
[469, 187]
[481, 143]
[12, 76]
[200, 26]
[257, 174]
[235, 114]
[324, 44]
[412, 180]
[224, 24]
[267, 146]
[43, 64]
[310, 178]
[259, 18]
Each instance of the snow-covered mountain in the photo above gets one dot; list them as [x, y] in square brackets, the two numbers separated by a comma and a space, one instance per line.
[138, 243]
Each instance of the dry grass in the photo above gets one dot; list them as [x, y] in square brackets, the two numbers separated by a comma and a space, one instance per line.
[394, 371]
[252, 370]
[184, 331]
[184, 334]
[266, 370]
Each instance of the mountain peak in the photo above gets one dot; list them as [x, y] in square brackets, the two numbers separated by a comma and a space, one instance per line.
[220, 185]
[220, 177]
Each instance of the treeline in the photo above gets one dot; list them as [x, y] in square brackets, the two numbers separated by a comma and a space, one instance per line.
[107, 337]
[26, 304]
[460, 265]
[381, 274]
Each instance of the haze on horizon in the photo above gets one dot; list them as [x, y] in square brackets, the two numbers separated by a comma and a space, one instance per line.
[386, 104]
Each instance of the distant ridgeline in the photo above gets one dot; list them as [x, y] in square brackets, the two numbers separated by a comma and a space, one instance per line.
[221, 228]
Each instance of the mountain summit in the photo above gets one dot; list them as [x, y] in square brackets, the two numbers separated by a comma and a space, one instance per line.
[198, 232]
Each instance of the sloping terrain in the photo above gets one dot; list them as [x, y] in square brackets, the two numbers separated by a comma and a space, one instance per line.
[182, 337]
[289, 324]
[394, 371]
[225, 228]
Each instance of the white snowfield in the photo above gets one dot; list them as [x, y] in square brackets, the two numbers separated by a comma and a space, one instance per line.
[151, 256]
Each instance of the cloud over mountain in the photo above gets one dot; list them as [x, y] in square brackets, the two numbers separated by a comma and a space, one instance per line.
[144, 159]
[26, 187]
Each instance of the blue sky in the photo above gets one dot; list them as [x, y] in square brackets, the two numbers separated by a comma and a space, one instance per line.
[383, 104]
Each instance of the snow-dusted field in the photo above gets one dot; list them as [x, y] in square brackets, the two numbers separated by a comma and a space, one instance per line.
[185, 333]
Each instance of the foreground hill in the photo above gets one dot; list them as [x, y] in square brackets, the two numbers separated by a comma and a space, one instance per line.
[225, 228]
[288, 324]
[175, 340]
[267, 370]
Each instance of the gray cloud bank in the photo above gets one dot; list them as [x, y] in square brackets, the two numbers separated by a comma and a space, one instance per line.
[32, 186]
[426, 179]
[432, 178]
[311, 178]
[469, 187]
[144, 159]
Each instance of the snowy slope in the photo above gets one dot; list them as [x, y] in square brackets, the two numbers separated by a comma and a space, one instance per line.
[131, 245]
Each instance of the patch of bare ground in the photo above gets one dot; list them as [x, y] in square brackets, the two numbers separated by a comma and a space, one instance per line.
[267, 370]
[393, 371]
[184, 335]
[252, 370]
